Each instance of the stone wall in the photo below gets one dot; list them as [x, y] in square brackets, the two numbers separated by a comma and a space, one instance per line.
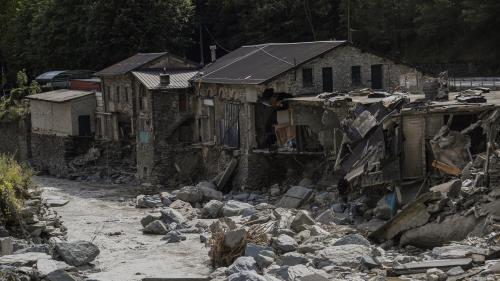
[52, 154]
[15, 138]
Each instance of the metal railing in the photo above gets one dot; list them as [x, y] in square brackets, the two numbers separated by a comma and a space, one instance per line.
[471, 82]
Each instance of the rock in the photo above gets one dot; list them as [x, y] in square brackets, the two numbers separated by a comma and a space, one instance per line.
[246, 276]
[291, 273]
[77, 253]
[284, 217]
[242, 264]
[156, 227]
[306, 182]
[148, 201]
[345, 255]
[316, 230]
[24, 259]
[382, 210]
[209, 191]
[60, 275]
[301, 220]
[294, 197]
[275, 190]
[455, 271]
[265, 258]
[235, 208]
[173, 237]
[310, 248]
[253, 250]
[234, 238]
[204, 237]
[326, 218]
[352, 239]
[212, 209]
[6, 246]
[149, 219]
[324, 198]
[167, 198]
[39, 248]
[285, 244]
[449, 189]
[457, 251]
[169, 215]
[185, 209]
[369, 262]
[190, 194]
[54, 201]
[46, 266]
[303, 235]
[291, 259]
[453, 228]
[435, 274]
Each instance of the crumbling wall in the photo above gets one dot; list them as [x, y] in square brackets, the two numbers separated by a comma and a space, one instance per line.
[52, 154]
[15, 138]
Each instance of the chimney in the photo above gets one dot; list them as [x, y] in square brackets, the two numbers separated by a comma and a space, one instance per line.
[164, 79]
[213, 54]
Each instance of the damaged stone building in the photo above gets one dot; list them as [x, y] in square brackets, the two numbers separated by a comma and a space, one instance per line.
[246, 106]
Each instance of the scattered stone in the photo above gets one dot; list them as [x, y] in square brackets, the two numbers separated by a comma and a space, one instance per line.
[369, 262]
[242, 264]
[457, 251]
[352, 239]
[46, 266]
[294, 197]
[169, 215]
[234, 238]
[253, 250]
[173, 237]
[284, 244]
[204, 237]
[60, 275]
[423, 266]
[190, 194]
[275, 190]
[212, 209]
[235, 208]
[345, 255]
[265, 258]
[301, 220]
[6, 246]
[24, 259]
[290, 273]
[435, 274]
[209, 191]
[77, 253]
[326, 218]
[310, 248]
[185, 209]
[148, 201]
[156, 227]
[149, 219]
[455, 271]
[247, 275]
[56, 201]
[291, 259]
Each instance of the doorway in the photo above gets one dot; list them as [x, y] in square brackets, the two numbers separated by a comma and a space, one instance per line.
[327, 79]
[84, 125]
[377, 76]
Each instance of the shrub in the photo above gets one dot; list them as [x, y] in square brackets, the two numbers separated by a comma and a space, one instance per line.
[15, 180]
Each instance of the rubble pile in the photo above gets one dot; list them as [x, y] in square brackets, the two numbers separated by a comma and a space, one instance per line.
[36, 247]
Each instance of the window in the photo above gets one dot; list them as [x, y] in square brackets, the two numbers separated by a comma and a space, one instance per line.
[307, 77]
[117, 94]
[183, 103]
[126, 94]
[108, 93]
[141, 97]
[356, 75]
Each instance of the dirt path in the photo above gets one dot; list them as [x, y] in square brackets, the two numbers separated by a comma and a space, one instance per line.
[95, 211]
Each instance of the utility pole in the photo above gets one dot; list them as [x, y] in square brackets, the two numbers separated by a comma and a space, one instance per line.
[349, 36]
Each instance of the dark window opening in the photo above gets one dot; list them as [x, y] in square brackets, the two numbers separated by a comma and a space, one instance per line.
[118, 94]
[327, 79]
[126, 94]
[307, 77]
[84, 125]
[377, 76]
[141, 97]
[183, 103]
[185, 134]
[356, 75]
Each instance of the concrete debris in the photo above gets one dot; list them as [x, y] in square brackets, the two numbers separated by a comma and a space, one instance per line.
[148, 201]
[242, 264]
[173, 237]
[235, 208]
[156, 227]
[294, 197]
[213, 209]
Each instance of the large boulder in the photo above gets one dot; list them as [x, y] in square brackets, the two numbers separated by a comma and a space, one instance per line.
[301, 221]
[284, 244]
[212, 209]
[294, 197]
[156, 227]
[234, 238]
[242, 264]
[235, 208]
[191, 194]
[169, 215]
[209, 191]
[149, 219]
[77, 253]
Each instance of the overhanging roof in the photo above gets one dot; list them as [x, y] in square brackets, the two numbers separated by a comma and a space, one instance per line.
[130, 63]
[178, 79]
[59, 96]
[256, 64]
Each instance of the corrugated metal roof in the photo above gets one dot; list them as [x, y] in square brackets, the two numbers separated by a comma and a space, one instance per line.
[49, 75]
[179, 79]
[59, 96]
[257, 64]
[130, 63]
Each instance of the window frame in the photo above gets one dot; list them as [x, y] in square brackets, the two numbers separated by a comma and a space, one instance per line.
[310, 79]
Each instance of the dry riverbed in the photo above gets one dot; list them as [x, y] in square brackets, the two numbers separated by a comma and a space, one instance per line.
[103, 215]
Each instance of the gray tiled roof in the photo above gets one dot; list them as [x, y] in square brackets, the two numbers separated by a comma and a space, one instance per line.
[59, 96]
[257, 64]
[179, 79]
[130, 64]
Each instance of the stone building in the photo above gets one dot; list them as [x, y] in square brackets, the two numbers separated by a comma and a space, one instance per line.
[242, 109]
[62, 127]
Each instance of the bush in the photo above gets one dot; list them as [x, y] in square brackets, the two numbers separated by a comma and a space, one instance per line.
[15, 180]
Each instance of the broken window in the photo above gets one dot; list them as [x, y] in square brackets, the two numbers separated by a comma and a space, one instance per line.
[307, 77]
[356, 75]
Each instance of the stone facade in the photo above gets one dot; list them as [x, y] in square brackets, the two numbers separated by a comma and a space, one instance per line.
[15, 138]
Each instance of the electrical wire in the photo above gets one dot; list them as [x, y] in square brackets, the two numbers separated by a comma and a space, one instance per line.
[215, 40]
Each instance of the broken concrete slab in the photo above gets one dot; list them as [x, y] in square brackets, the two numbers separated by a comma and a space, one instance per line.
[24, 259]
[235, 208]
[345, 255]
[191, 194]
[457, 251]
[294, 197]
[423, 266]
[301, 220]
[449, 189]
[77, 253]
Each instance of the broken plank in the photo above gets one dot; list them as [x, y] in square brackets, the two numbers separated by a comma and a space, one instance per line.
[227, 174]
[447, 169]
[421, 267]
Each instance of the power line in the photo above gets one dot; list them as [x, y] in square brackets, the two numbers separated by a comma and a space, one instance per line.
[215, 40]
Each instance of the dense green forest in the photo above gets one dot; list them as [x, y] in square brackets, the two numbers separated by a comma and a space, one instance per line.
[39, 35]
